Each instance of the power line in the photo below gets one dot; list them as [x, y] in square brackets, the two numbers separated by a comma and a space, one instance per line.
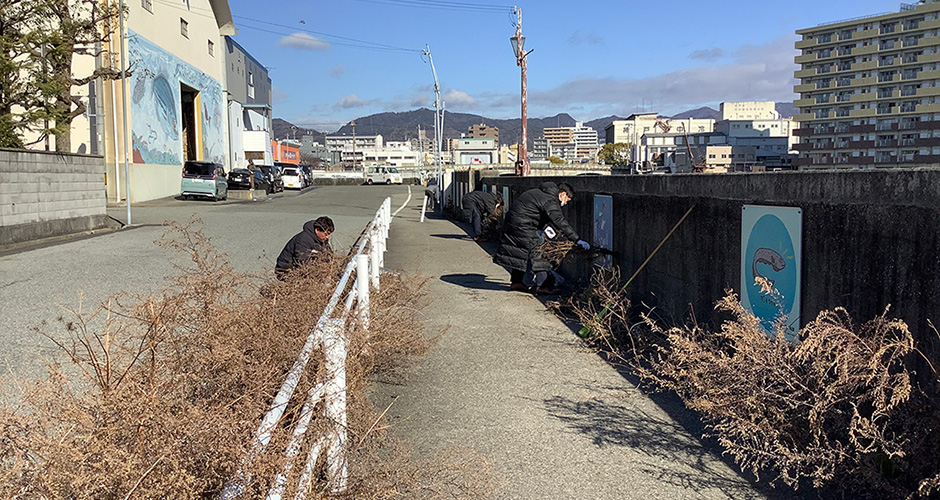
[444, 5]
[362, 43]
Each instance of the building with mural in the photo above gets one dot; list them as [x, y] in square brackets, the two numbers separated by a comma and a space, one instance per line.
[175, 97]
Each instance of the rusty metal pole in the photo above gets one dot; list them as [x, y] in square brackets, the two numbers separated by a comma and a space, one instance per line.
[523, 148]
[518, 44]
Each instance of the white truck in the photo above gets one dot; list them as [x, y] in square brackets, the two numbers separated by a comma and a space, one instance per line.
[382, 175]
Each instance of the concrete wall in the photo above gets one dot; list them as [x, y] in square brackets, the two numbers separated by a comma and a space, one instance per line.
[870, 238]
[48, 194]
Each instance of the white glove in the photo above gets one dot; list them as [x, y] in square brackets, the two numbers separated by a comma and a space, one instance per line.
[584, 244]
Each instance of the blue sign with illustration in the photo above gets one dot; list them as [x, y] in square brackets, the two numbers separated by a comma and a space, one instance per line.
[603, 226]
[771, 250]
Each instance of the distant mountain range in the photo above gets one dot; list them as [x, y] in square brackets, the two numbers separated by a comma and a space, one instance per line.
[404, 125]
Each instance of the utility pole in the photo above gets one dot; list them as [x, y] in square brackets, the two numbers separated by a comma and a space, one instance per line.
[518, 49]
[124, 111]
[438, 128]
[353, 123]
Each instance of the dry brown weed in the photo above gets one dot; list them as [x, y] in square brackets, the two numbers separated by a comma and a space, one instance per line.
[819, 409]
[159, 396]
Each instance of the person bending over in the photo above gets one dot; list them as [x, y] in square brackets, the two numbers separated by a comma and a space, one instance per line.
[518, 250]
[478, 204]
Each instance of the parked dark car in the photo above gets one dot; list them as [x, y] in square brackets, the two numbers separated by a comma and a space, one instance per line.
[262, 182]
[274, 177]
[239, 178]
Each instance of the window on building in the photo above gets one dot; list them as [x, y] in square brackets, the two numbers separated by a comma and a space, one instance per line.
[211, 48]
[184, 28]
[147, 5]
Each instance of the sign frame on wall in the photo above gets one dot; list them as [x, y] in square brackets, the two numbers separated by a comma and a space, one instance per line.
[772, 248]
[603, 217]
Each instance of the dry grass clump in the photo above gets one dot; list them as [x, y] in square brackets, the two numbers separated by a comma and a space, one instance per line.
[492, 225]
[159, 396]
[603, 309]
[555, 251]
[827, 409]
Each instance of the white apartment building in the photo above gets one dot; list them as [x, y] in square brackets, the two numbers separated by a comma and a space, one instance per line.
[749, 110]
[397, 154]
[585, 141]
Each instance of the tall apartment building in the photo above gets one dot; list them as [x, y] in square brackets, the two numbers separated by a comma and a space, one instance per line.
[870, 90]
[541, 149]
[482, 131]
[559, 135]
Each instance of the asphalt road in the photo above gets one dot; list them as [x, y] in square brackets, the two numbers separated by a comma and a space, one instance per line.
[512, 382]
[37, 285]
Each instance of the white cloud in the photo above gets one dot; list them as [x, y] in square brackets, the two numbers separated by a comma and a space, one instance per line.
[763, 72]
[458, 99]
[337, 71]
[578, 38]
[277, 95]
[707, 54]
[353, 101]
[303, 41]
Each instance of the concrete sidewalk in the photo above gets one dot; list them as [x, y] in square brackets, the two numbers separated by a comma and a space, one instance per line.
[512, 382]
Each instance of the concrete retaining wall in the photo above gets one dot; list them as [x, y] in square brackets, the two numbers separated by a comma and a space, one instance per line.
[46, 194]
[870, 238]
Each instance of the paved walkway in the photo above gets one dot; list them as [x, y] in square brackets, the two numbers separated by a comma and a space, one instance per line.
[512, 382]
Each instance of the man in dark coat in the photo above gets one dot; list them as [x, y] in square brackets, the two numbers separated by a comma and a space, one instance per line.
[476, 205]
[519, 245]
[305, 246]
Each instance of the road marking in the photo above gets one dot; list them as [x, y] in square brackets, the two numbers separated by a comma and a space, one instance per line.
[403, 204]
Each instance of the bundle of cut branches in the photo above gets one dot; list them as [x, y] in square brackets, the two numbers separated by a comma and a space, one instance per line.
[554, 251]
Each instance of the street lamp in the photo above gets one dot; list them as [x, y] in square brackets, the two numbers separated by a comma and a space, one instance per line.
[518, 49]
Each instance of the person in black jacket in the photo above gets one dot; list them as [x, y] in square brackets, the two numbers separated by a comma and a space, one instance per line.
[476, 205]
[519, 245]
[305, 246]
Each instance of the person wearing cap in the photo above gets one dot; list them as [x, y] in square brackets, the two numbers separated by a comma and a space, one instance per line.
[307, 245]
[518, 250]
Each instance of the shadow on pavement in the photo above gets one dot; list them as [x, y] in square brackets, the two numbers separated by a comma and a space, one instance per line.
[453, 236]
[474, 281]
[673, 456]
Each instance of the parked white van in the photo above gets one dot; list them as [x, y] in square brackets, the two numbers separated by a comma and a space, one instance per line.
[293, 178]
[382, 175]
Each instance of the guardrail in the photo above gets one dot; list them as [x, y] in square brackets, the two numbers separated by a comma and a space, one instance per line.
[329, 334]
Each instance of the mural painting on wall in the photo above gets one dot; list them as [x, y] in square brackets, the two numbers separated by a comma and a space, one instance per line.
[771, 252]
[156, 109]
[604, 227]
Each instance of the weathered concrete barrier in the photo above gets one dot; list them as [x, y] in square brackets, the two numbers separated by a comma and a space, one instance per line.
[45, 194]
[247, 194]
[869, 238]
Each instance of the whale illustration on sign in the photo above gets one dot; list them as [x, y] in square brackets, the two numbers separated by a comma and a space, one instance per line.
[770, 257]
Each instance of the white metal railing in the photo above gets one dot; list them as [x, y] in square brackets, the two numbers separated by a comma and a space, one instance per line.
[329, 334]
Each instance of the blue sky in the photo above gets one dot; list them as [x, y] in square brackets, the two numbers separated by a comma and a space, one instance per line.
[590, 59]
